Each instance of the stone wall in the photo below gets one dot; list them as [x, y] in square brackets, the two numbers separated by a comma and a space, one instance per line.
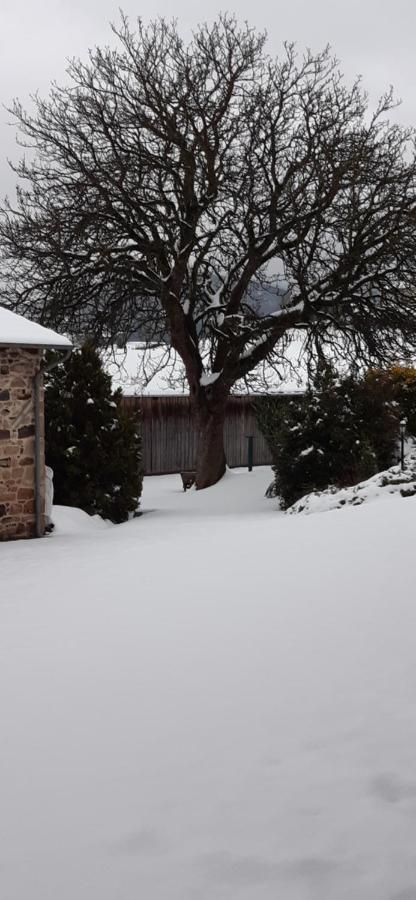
[17, 442]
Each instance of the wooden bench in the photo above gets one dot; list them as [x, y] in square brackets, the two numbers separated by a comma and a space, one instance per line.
[188, 479]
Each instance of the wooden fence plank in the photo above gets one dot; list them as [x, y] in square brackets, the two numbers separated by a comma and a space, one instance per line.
[169, 435]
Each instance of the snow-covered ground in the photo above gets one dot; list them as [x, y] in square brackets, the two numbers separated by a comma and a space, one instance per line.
[215, 701]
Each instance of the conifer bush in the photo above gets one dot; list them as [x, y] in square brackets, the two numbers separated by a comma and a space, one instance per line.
[339, 432]
[92, 445]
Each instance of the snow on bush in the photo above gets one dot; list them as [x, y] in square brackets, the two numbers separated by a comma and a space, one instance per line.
[391, 481]
[340, 432]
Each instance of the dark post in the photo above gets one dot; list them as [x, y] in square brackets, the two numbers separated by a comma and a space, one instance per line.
[250, 451]
[403, 424]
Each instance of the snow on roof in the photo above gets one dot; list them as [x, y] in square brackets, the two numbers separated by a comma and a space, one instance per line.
[17, 331]
[143, 373]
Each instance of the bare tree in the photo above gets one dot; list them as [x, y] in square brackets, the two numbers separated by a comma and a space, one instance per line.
[169, 181]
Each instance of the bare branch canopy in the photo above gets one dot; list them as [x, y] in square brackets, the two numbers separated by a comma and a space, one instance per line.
[171, 187]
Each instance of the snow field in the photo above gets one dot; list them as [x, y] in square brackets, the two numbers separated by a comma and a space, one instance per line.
[214, 701]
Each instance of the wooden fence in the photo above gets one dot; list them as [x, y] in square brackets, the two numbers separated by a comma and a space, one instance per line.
[169, 435]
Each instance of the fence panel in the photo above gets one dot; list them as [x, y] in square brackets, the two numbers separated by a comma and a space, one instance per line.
[170, 439]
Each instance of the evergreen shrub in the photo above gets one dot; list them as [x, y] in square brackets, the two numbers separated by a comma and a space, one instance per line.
[92, 445]
[339, 432]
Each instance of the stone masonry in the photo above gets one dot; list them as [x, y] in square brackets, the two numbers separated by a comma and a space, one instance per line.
[17, 442]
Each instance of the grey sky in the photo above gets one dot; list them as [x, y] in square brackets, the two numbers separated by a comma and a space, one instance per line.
[374, 38]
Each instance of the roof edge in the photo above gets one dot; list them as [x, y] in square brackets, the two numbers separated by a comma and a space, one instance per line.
[22, 346]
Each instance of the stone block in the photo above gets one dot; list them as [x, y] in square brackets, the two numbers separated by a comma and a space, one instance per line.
[17, 446]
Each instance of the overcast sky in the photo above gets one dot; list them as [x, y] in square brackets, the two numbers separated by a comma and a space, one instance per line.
[374, 38]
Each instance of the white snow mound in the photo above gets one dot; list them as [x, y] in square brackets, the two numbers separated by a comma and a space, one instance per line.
[378, 487]
[70, 520]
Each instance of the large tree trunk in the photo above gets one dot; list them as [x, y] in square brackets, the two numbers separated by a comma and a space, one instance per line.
[210, 461]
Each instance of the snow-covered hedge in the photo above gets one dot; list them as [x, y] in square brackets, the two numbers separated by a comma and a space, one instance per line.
[392, 481]
[339, 432]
